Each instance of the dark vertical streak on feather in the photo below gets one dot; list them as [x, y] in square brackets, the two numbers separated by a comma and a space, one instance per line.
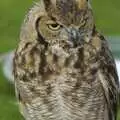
[40, 38]
[42, 41]
[47, 4]
[80, 62]
[55, 58]
[94, 31]
[25, 78]
[43, 62]
[67, 61]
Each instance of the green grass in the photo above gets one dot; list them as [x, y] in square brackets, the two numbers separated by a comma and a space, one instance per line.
[8, 105]
[12, 12]
[107, 15]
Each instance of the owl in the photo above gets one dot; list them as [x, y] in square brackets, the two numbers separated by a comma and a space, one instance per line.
[63, 67]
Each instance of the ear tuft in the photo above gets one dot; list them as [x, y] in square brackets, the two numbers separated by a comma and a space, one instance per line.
[47, 3]
[82, 3]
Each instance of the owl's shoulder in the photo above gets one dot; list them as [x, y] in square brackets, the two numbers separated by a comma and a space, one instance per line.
[108, 76]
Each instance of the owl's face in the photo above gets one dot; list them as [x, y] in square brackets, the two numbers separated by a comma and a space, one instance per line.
[66, 22]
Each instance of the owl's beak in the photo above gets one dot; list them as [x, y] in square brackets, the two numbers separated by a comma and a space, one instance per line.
[74, 35]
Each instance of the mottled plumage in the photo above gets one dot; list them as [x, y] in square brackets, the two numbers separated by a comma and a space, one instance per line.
[63, 67]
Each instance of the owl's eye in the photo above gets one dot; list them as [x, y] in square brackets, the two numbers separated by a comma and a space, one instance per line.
[54, 26]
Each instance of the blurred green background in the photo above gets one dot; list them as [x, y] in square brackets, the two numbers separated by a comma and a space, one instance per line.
[12, 12]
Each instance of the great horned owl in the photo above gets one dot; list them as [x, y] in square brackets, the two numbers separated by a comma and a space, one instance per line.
[63, 67]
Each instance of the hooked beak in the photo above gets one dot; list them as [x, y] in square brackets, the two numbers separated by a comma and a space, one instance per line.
[74, 36]
[73, 33]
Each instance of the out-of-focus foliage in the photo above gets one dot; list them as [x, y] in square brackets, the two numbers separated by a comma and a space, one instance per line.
[12, 13]
[107, 15]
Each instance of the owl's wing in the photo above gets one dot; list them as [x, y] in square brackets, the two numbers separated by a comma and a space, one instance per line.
[109, 79]
[20, 102]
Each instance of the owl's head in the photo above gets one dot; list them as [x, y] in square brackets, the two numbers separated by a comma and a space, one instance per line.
[61, 21]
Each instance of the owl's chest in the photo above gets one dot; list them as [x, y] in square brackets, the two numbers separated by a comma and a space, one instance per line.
[55, 66]
[63, 82]
[48, 62]
[55, 61]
